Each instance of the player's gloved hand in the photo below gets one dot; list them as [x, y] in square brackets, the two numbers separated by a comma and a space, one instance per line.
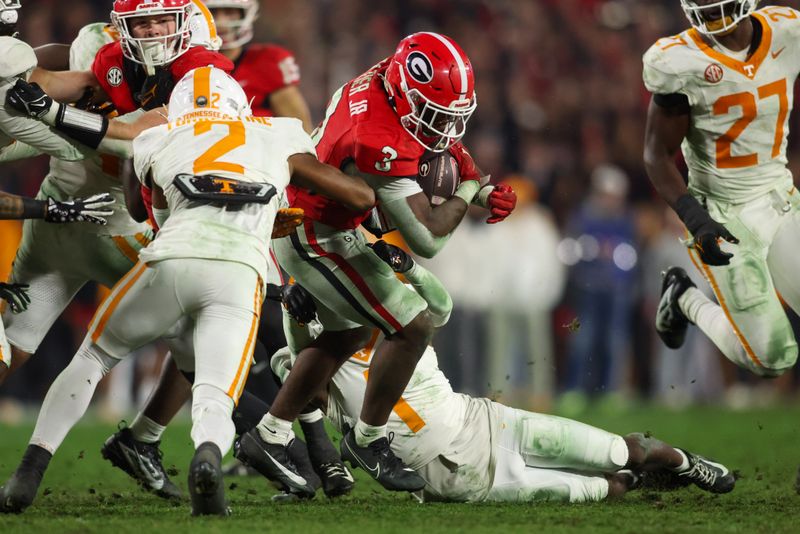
[298, 303]
[16, 295]
[286, 220]
[29, 99]
[156, 90]
[93, 210]
[706, 231]
[502, 201]
[467, 170]
[397, 258]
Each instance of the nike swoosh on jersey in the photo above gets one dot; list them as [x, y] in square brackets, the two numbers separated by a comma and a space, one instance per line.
[778, 52]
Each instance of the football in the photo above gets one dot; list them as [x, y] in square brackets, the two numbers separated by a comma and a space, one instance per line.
[438, 176]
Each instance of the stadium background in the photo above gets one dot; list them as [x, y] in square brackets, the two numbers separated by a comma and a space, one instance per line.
[554, 307]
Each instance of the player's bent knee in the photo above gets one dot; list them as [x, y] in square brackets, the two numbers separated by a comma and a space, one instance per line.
[90, 351]
[778, 363]
[419, 330]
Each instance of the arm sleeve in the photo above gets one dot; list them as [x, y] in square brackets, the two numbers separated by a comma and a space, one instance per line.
[144, 148]
[417, 236]
[39, 135]
[430, 288]
[17, 151]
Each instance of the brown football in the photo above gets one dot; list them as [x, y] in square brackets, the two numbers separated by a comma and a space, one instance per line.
[438, 176]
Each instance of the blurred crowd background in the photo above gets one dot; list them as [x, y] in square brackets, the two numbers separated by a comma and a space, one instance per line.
[555, 306]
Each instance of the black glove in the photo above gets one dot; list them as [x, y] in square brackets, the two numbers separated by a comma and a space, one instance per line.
[298, 303]
[398, 259]
[706, 231]
[156, 90]
[29, 99]
[16, 295]
[92, 210]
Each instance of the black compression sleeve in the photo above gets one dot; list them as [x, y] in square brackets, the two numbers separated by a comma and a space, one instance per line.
[33, 209]
[676, 102]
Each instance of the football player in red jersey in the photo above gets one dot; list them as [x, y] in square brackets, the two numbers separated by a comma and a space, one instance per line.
[378, 126]
[268, 73]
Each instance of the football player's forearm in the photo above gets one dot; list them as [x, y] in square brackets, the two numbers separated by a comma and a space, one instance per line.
[352, 191]
[16, 207]
[430, 288]
[65, 86]
[53, 56]
[289, 102]
[666, 179]
[419, 238]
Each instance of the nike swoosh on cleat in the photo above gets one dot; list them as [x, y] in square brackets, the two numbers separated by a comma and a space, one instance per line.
[375, 473]
[777, 52]
[146, 468]
[300, 481]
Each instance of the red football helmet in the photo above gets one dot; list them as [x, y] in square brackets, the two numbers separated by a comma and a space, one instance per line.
[431, 82]
[153, 51]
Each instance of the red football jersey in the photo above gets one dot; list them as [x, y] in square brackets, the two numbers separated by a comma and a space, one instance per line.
[360, 126]
[121, 78]
[263, 69]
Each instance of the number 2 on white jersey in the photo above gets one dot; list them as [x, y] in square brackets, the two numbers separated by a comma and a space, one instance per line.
[747, 102]
[209, 160]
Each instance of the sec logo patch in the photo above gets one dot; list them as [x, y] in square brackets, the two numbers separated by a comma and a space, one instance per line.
[114, 76]
[713, 73]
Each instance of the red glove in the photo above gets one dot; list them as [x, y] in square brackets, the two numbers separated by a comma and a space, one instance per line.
[467, 169]
[502, 201]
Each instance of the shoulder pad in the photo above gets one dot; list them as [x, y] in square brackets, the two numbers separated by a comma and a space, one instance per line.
[659, 72]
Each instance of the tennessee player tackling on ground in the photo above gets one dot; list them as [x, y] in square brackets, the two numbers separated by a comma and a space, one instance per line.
[377, 126]
[722, 93]
[216, 175]
[473, 449]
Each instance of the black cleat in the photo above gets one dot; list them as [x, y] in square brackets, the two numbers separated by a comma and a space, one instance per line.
[708, 475]
[380, 462]
[206, 486]
[336, 478]
[20, 490]
[671, 323]
[273, 462]
[141, 461]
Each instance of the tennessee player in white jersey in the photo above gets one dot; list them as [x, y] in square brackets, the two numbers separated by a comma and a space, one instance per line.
[722, 93]
[473, 449]
[217, 175]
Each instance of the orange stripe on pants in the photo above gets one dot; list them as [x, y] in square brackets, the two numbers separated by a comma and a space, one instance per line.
[703, 268]
[405, 412]
[125, 248]
[118, 291]
[235, 391]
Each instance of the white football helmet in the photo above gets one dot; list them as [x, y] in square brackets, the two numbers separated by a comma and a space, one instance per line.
[208, 91]
[9, 16]
[203, 28]
[242, 29]
[717, 17]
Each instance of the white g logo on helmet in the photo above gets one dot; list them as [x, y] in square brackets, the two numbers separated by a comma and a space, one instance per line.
[419, 67]
[209, 92]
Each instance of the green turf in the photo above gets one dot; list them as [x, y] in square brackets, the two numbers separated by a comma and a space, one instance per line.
[81, 493]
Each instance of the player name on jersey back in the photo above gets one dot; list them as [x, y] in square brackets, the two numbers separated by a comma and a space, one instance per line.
[739, 104]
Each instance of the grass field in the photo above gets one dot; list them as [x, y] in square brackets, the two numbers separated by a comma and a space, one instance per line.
[82, 493]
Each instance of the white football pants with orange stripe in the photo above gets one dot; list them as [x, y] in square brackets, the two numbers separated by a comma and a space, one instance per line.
[224, 301]
[5, 350]
[749, 325]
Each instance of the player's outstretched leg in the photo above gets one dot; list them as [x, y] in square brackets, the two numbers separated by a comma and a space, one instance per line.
[206, 486]
[140, 460]
[666, 466]
[671, 322]
[20, 490]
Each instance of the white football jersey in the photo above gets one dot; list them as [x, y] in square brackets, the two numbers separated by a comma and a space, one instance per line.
[97, 173]
[425, 420]
[736, 145]
[253, 149]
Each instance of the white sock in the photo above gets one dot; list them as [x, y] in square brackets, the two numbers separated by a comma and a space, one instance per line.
[711, 319]
[69, 396]
[366, 434]
[275, 430]
[311, 417]
[684, 463]
[211, 417]
[146, 430]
